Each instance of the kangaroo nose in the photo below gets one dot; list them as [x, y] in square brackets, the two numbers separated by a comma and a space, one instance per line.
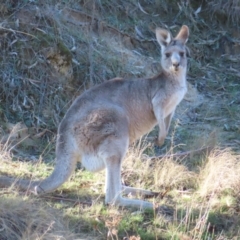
[176, 64]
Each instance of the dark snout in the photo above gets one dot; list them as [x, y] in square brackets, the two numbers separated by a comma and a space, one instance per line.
[175, 65]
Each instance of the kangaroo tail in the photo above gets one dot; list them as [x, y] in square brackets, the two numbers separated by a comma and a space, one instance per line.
[65, 165]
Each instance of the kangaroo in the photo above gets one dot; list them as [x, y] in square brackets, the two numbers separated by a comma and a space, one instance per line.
[101, 123]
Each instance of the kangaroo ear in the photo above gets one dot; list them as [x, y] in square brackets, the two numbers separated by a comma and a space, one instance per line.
[183, 34]
[163, 36]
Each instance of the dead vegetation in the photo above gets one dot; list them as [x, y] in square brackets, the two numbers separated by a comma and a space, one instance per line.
[52, 51]
[190, 203]
[30, 220]
[220, 173]
[229, 10]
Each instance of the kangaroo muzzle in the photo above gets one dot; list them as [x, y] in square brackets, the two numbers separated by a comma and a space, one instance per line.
[175, 59]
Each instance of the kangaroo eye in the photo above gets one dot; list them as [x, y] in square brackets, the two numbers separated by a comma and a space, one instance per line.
[181, 54]
[167, 55]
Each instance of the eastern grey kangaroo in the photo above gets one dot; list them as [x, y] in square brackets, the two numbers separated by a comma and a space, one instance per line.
[101, 123]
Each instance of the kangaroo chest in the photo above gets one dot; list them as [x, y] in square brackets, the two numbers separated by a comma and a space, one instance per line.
[174, 100]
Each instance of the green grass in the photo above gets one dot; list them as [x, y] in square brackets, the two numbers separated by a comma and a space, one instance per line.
[197, 211]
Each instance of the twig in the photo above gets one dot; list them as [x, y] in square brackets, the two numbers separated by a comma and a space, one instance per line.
[91, 60]
[182, 154]
[67, 200]
[16, 31]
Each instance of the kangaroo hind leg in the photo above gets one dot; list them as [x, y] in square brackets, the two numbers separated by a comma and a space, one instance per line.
[113, 153]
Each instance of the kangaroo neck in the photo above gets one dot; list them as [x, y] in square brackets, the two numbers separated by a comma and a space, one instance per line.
[176, 77]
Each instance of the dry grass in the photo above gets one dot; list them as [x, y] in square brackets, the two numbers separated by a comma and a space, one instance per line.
[25, 218]
[168, 172]
[29, 219]
[220, 174]
[230, 8]
[192, 203]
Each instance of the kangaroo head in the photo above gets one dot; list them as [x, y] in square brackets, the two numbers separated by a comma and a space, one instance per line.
[174, 51]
